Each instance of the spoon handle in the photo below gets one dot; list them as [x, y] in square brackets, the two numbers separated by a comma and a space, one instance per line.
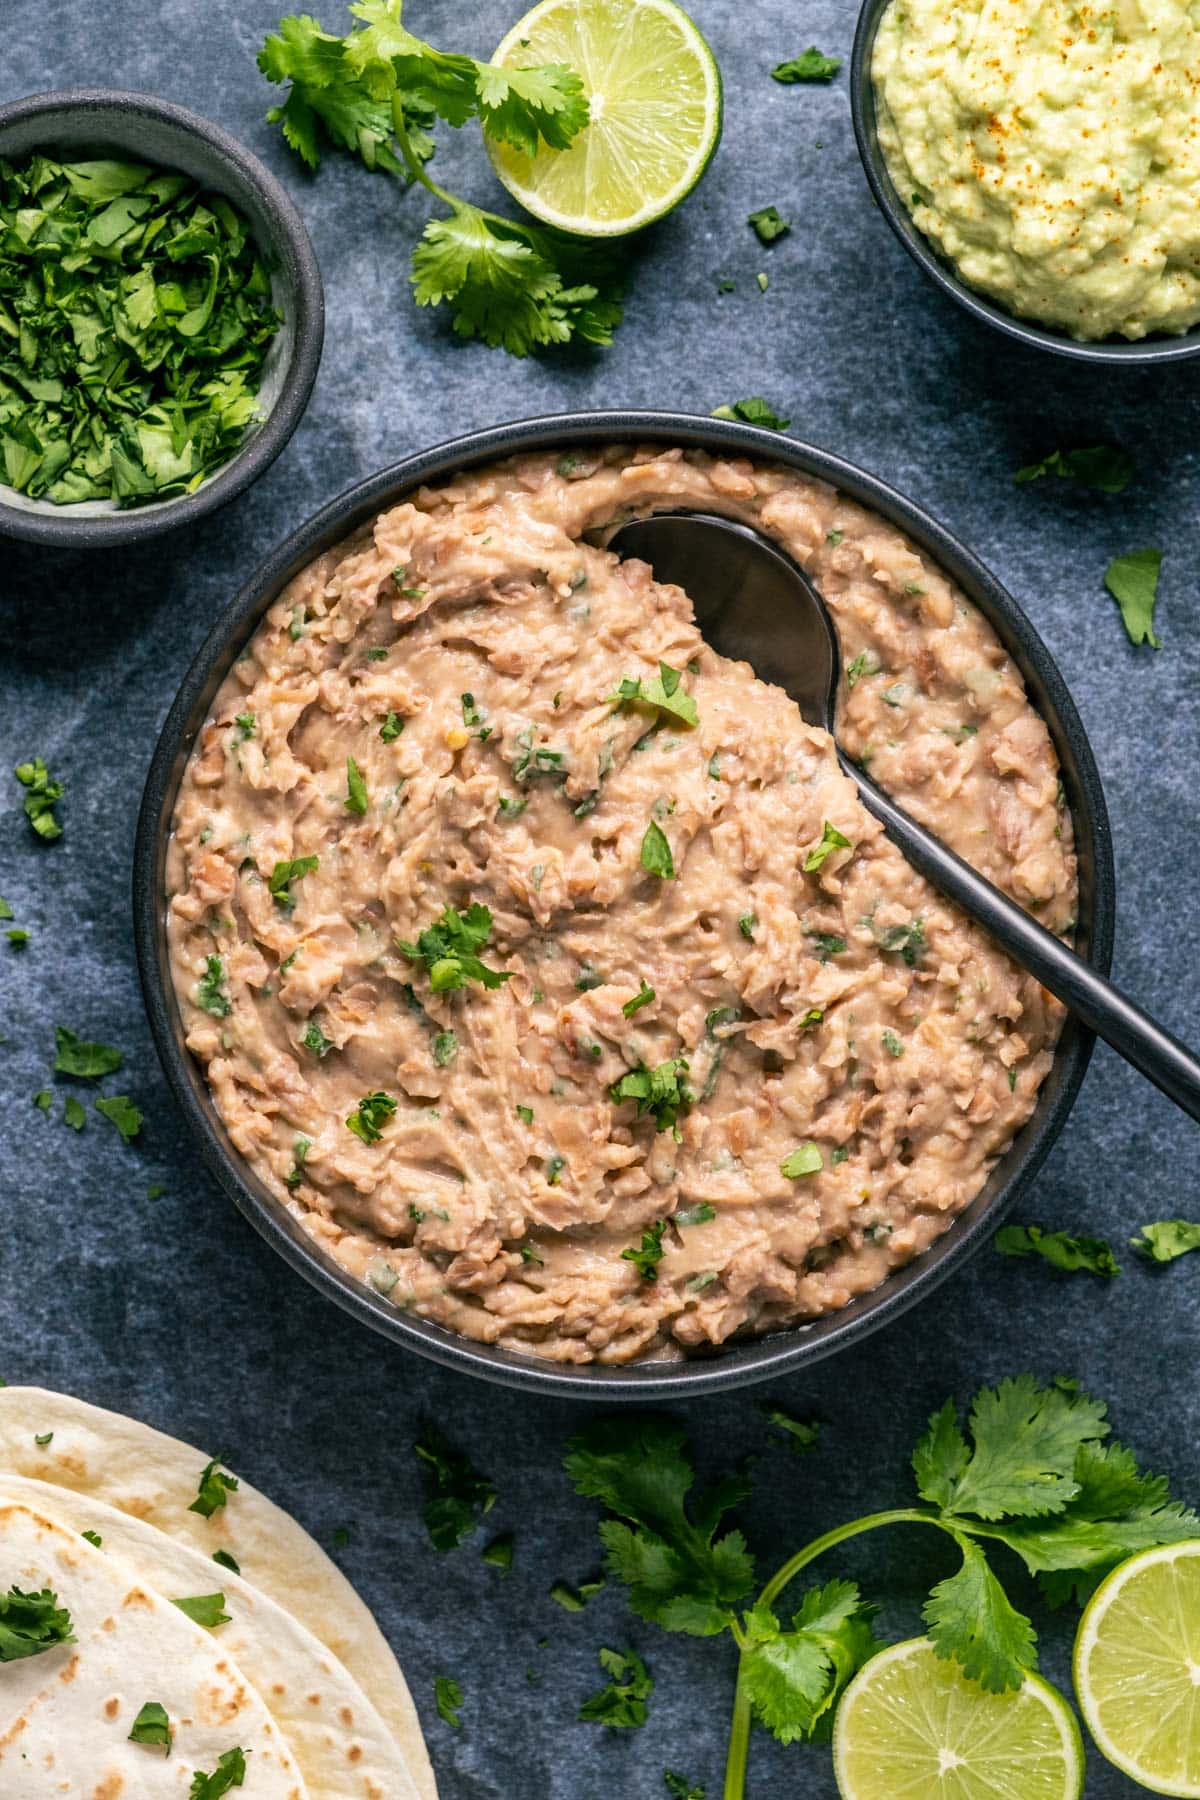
[1169, 1064]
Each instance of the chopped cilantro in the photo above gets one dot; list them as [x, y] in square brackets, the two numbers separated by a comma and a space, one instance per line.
[391, 728]
[152, 1726]
[860, 665]
[18, 937]
[699, 1214]
[769, 224]
[43, 794]
[892, 1044]
[802, 1435]
[32, 1623]
[284, 873]
[510, 806]
[93, 1538]
[73, 1113]
[371, 1114]
[1163, 1242]
[752, 412]
[810, 65]
[554, 1168]
[445, 1048]
[245, 726]
[214, 1489]
[448, 1697]
[748, 924]
[646, 1256]
[655, 855]
[314, 1039]
[462, 1496]
[622, 1703]
[1104, 467]
[356, 789]
[121, 1112]
[525, 1114]
[210, 995]
[907, 941]
[1132, 581]
[1059, 1249]
[574, 1599]
[449, 949]
[227, 1561]
[679, 1787]
[828, 944]
[86, 1061]
[230, 1772]
[663, 1092]
[43, 1100]
[643, 997]
[661, 691]
[204, 1609]
[831, 840]
[499, 1554]
[806, 1159]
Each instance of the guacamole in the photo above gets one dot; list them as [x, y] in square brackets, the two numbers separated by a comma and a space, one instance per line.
[1051, 152]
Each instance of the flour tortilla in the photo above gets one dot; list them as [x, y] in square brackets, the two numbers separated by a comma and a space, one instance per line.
[152, 1477]
[66, 1715]
[340, 1744]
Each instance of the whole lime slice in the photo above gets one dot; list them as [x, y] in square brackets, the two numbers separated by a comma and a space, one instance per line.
[654, 96]
[1137, 1668]
[912, 1727]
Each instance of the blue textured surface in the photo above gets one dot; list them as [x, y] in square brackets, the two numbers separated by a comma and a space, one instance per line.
[173, 1310]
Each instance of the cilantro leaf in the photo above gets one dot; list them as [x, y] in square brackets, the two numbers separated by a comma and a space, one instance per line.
[1059, 1249]
[152, 1726]
[284, 873]
[32, 1623]
[86, 1061]
[970, 1618]
[941, 1457]
[1163, 1242]
[794, 1677]
[210, 994]
[1132, 581]
[661, 691]
[768, 224]
[806, 1160]
[662, 1091]
[314, 1039]
[450, 949]
[462, 1496]
[1025, 1443]
[43, 793]
[371, 1115]
[655, 854]
[649, 1254]
[214, 1489]
[810, 65]
[831, 839]
[521, 106]
[622, 1704]
[120, 1110]
[681, 1575]
[329, 99]
[448, 1697]
[752, 412]
[204, 1609]
[230, 1772]
[1104, 467]
[356, 789]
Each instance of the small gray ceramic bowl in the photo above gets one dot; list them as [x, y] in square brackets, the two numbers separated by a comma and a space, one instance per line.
[143, 128]
[942, 272]
[746, 1359]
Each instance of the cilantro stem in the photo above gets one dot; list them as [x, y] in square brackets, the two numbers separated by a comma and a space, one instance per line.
[456, 204]
[739, 1729]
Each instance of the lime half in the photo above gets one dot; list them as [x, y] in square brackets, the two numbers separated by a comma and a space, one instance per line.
[1137, 1668]
[654, 93]
[912, 1727]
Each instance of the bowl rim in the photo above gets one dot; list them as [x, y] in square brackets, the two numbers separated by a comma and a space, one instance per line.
[864, 118]
[294, 246]
[744, 1361]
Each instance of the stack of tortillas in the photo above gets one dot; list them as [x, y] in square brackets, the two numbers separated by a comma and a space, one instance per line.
[299, 1680]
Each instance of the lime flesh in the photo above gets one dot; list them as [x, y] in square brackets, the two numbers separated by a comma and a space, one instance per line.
[912, 1727]
[654, 94]
[1137, 1668]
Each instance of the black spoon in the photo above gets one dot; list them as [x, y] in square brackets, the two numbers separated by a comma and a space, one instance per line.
[755, 603]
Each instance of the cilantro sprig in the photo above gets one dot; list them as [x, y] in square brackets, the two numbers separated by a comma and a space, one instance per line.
[32, 1623]
[377, 93]
[1035, 1472]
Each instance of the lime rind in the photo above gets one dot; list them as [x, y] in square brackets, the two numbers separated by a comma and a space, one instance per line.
[1137, 1669]
[655, 95]
[911, 1726]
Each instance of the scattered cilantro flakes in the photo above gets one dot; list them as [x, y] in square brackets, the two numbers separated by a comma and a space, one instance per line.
[858, 666]
[210, 994]
[1163, 1242]
[810, 65]
[207, 1610]
[142, 309]
[754, 411]
[86, 1061]
[1132, 580]
[282, 876]
[646, 1256]
[356, 789]
[525, 1114]
[663, 1091]
[831, 839]
[31, 1623]
[1058, 1248]
[314, 1039]
[802, 1435]
[230, 1772]
[152, 1726]
[828, 944]
[445, 1048]
[768, 224]
[622, 1703]
[462, 1497]
[747, 925]
[214, 1489]
[245, 726]
[906, 941]
[73, 1113]
[891, 1043]
[369, 1117]
[42, 793]
[93, 1538]
[806, 1159]
[43, 1100]
[1104, 467]
[448, 1697]
[643, 997]
[499, 1554]
[655, 854]
[450, 948]
[121, 1112]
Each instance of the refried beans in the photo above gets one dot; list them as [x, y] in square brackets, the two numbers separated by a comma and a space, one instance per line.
[544, 963]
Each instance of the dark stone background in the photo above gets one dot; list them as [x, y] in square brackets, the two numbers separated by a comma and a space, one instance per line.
[173, 1310]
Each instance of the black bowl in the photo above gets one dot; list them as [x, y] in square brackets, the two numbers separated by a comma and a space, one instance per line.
[752, 1359]
[942, 272]
[105, 121]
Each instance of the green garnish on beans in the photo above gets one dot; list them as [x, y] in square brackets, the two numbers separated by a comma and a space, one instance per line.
[135, 319]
